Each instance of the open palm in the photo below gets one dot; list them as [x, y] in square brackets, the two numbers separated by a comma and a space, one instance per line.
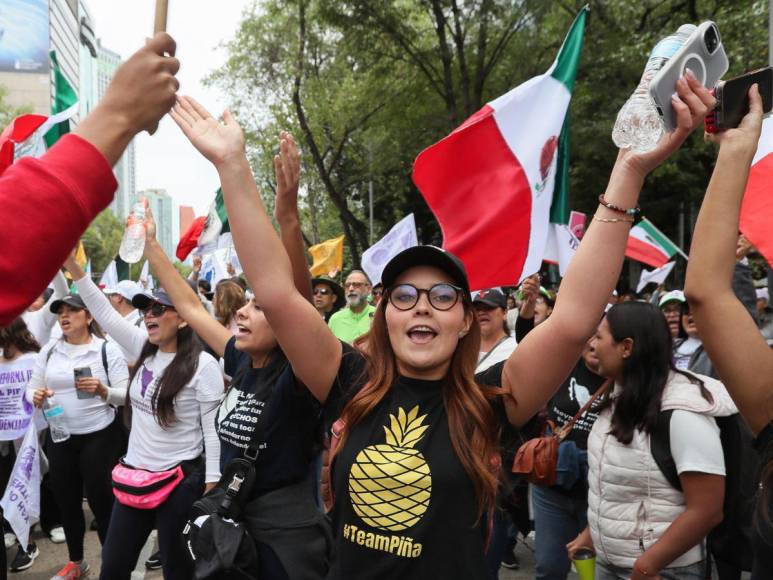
[216, 141]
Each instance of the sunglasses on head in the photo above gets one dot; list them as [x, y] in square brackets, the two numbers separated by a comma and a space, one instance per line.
[156, 309]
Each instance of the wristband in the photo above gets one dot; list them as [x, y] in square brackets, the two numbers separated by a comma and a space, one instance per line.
[633, 212]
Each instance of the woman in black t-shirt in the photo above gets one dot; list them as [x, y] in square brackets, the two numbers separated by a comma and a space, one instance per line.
[265, 405]
[730, 336]
[417, 464]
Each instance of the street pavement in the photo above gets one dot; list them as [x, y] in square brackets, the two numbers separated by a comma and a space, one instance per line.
[54, 556]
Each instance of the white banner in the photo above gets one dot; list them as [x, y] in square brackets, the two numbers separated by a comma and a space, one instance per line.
[15, 411]
[110, 276]
[146, 280]
[21, 501]
[561, 247]
[401, 237]
[657, 276]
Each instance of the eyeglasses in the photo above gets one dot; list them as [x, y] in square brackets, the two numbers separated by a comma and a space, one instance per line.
[440, 296]
[377, 293]
[156, 309]
[322, 291]
[355, 284]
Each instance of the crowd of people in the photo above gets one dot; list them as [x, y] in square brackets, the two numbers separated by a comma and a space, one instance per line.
[397, 408]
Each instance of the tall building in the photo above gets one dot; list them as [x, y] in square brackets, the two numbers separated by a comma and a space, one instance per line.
[107, 63]
[166, 216]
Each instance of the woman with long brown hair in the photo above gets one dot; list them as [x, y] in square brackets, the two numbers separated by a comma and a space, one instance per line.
[416, 467]
[730, 336]
[229, 298]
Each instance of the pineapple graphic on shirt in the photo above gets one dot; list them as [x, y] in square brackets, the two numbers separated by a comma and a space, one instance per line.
[390, 483]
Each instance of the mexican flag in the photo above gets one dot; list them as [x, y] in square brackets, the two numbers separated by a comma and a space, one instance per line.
[757, 206]
[31, 135]
[205, 231]
[649, 245]
[491, 182]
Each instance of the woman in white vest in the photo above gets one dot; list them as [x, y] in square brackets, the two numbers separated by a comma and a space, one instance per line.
[638, 523]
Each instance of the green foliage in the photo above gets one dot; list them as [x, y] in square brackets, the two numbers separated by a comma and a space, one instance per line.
[102, 240]
[8, 112]
[365, 86]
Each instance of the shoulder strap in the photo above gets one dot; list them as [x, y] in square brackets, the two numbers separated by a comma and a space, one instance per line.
[569, 425]
[493, 348]
[104, 362]
[660, 446]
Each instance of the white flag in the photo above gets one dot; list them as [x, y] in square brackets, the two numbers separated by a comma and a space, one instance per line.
[110, 276]
[561, 247]
[146, 280]
[657, 276]
[401, 237]
[235, 262]
[21, 500]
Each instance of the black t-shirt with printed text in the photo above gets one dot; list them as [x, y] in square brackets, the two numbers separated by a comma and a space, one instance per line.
[405, 507]
[290, 416]
[576, 390]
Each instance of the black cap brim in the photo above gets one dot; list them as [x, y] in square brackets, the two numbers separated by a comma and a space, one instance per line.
[73, 301]
[426, 256]
[145, 299]
[491, 303]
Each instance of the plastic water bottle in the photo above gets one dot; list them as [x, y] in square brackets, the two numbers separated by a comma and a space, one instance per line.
[54, 414]
[133, 242]
[639, 126]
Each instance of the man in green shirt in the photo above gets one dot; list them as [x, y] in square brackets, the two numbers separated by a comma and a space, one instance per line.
[353, 321]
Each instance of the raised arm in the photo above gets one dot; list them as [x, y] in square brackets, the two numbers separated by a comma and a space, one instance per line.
[129, 337]
[75, 176]
[594, 270]
[287, 168]
[185, 300]
[311, 348]
[730, 336]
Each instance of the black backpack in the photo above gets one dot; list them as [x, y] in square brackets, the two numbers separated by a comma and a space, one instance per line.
[731, 541]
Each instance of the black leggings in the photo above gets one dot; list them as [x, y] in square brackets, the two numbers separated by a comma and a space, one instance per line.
[84, 462]
[130, 528]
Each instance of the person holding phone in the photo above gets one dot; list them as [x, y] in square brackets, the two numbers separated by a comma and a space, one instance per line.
[738, 350]
[89, 377]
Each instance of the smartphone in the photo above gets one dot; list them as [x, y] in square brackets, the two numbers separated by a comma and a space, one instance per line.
[733, 99]
[82, 373]
[702, 53]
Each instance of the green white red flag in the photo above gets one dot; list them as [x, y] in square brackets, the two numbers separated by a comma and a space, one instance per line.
[490, 183]
[649, 245]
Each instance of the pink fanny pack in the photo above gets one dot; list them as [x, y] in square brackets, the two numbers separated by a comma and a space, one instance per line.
[143, 489]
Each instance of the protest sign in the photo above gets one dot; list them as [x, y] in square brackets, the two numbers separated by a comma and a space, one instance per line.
[21, 501]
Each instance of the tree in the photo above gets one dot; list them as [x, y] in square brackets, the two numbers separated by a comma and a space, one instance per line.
[367, 85]
[9, 112]
[102, 240]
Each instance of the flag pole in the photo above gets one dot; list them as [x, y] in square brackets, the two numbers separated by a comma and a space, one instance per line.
[162, 8]
[654, 227]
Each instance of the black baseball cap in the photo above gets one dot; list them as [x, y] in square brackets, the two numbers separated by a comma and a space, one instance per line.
[336, 287]
[71, 300]
[426, 256]
[144, 299]
[491, 297]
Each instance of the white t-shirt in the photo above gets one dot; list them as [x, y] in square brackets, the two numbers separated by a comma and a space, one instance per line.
[684, 352]
[695, 443]
[56, 373]
[158, 448]
[500, 352]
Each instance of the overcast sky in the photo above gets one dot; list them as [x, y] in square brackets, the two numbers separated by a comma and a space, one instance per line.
[166, 160]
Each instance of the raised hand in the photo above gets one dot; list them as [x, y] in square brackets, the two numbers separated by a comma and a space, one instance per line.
[287, 168]
[691, 105]
[747, 135]
[218, 142]
[150, 224]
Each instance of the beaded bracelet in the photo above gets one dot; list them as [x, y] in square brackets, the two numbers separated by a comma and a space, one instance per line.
[613, 220]
[634, 211]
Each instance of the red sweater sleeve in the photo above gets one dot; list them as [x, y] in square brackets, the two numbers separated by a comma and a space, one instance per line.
[47, 203]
